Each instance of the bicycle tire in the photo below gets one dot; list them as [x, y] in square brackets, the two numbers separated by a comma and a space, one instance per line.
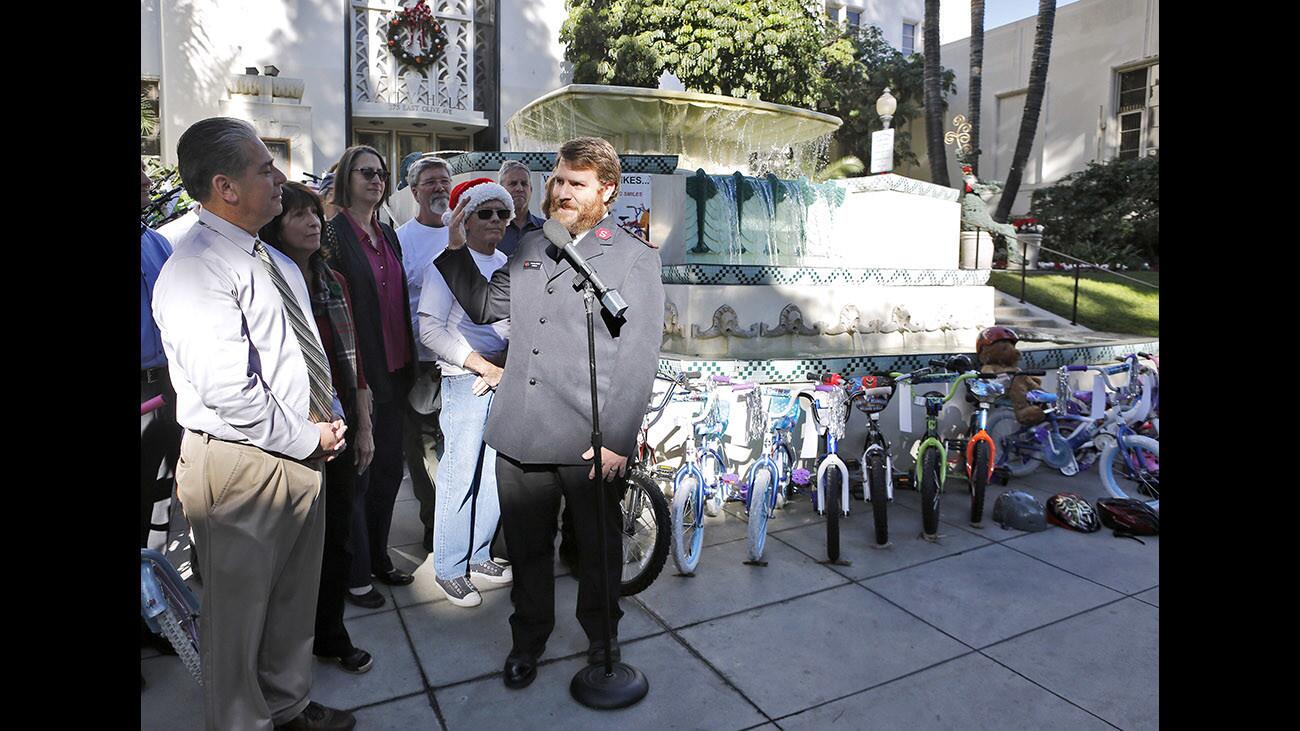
[979, 480]
[758, 500]
[687, 557]
[1112, 462]
[1008, 447]
[647, 570]
[713, 469]
[929, 481]
[186, 649]
[833, 514]
[876, 488]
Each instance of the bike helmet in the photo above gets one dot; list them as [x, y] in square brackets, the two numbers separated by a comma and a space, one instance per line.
[1071, 511]
[1017, 509]
[995, 334]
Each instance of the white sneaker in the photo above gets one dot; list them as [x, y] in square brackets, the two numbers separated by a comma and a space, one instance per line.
[460, 591]
[491, 572]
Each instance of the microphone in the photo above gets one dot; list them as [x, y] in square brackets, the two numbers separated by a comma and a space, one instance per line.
[558, 235]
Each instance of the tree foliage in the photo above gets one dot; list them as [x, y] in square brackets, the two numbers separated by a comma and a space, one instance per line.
[1106, 213]
[773, 50]
[850, 90]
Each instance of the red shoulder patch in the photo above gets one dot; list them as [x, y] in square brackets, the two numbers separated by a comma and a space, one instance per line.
[603, 233]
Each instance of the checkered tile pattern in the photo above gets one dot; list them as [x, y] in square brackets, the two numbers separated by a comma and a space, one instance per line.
[544, 162]
[902, 185]
[819, 276]
[785, 371]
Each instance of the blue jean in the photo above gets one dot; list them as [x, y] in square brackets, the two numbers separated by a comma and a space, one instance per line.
[465, 455]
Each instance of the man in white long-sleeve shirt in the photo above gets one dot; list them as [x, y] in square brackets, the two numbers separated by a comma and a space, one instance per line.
[423, 238]
[469, 356]
[254, 395]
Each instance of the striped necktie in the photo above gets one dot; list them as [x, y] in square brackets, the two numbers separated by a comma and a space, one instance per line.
[322, 409]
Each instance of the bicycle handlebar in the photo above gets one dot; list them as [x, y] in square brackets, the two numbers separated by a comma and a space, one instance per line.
[153, 404]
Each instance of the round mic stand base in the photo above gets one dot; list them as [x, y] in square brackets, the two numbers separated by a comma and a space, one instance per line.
[622, 687]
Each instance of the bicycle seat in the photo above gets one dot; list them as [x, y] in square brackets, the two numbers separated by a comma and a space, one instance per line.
[874, 400]
[1041, 397]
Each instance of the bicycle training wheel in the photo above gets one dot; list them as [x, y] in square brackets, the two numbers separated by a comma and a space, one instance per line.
[1131, 469]
[930, 491]
[688, 528]
[979, 480]
[759, 497]
[1015, 449]
[646, 533]
[876, 488]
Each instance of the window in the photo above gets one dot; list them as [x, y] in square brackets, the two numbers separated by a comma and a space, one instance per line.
[833, 13]
[1138, 110]
[854, 18]
[150, 119]
[909, 39]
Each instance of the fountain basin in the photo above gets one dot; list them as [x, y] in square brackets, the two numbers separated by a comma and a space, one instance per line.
[706, 131]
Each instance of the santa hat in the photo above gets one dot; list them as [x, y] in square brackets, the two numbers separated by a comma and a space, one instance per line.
[477, 191]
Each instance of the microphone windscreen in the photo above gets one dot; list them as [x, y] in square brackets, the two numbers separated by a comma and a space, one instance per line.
[556, 233]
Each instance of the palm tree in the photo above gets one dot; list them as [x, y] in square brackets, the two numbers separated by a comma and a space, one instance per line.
[1033, 105]
[934, 97]
[976, 80]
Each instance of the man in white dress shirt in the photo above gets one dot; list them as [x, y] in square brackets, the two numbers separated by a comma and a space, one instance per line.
[422, 238]
[247, 368]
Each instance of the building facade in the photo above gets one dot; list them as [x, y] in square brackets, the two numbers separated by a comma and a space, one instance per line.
[1102, 99]
[899, 22]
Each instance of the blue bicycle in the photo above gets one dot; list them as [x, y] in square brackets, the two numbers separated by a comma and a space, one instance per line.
[768, 476]
[698, 488]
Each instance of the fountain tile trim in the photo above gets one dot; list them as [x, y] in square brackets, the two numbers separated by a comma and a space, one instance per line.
[747, 274]
[889, 181]
[544, 162]
[793, 370]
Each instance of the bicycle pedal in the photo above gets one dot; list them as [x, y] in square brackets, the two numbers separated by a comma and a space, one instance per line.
[755, 563]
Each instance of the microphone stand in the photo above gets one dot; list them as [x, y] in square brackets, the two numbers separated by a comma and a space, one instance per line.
[614, 684]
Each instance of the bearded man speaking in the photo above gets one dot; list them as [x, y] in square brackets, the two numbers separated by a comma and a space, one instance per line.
[540, 422]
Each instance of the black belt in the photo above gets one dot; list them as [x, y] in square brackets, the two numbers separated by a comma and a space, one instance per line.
[152, 375]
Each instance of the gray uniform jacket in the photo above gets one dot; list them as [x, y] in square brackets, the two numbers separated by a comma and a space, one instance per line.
[541, 413]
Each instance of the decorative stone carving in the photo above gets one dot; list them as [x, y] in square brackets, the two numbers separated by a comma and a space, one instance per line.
[791, 323]
[849, 322]
[899, 320]
[725, 323]
[285, 88]
[672, 325]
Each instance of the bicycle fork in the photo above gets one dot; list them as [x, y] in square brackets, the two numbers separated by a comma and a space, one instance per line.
[832, 460]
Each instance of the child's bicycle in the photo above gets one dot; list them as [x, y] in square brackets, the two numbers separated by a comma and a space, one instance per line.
[764, 481]
[698, 487]
[830, 412]
[646, 524]
[877, 464]
[167, 604]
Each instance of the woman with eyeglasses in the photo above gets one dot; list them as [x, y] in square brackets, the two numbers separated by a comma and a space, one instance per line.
[370, 256]
[470, 356]
[296, 232]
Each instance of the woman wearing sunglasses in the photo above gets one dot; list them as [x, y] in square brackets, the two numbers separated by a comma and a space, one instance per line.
[465, 518]
[370, 256]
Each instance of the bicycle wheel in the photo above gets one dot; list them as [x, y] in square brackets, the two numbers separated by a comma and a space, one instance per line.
[1131, 469]
[646, 533]
[186, 648]
[979, 480]
[688, 530]
[833, 514]
[759, 497]
[785, 467]
[876, 488]
[929, 479]
[1015, 449]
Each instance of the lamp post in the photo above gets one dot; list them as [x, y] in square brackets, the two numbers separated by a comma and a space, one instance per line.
[882, 142]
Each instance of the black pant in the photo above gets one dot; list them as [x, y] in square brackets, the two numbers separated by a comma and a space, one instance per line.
[160, 443]
[332, 639]
[423, 447]
[530, 500]
[375, 494]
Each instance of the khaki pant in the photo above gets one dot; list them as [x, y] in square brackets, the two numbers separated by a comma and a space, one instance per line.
[259, 526]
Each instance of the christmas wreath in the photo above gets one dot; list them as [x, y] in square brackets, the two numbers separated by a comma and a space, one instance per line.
[416, 24]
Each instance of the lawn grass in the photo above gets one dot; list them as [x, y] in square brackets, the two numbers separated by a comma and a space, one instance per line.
[1106, 303]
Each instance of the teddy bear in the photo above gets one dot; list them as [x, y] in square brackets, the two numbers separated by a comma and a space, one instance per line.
[996, 349]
